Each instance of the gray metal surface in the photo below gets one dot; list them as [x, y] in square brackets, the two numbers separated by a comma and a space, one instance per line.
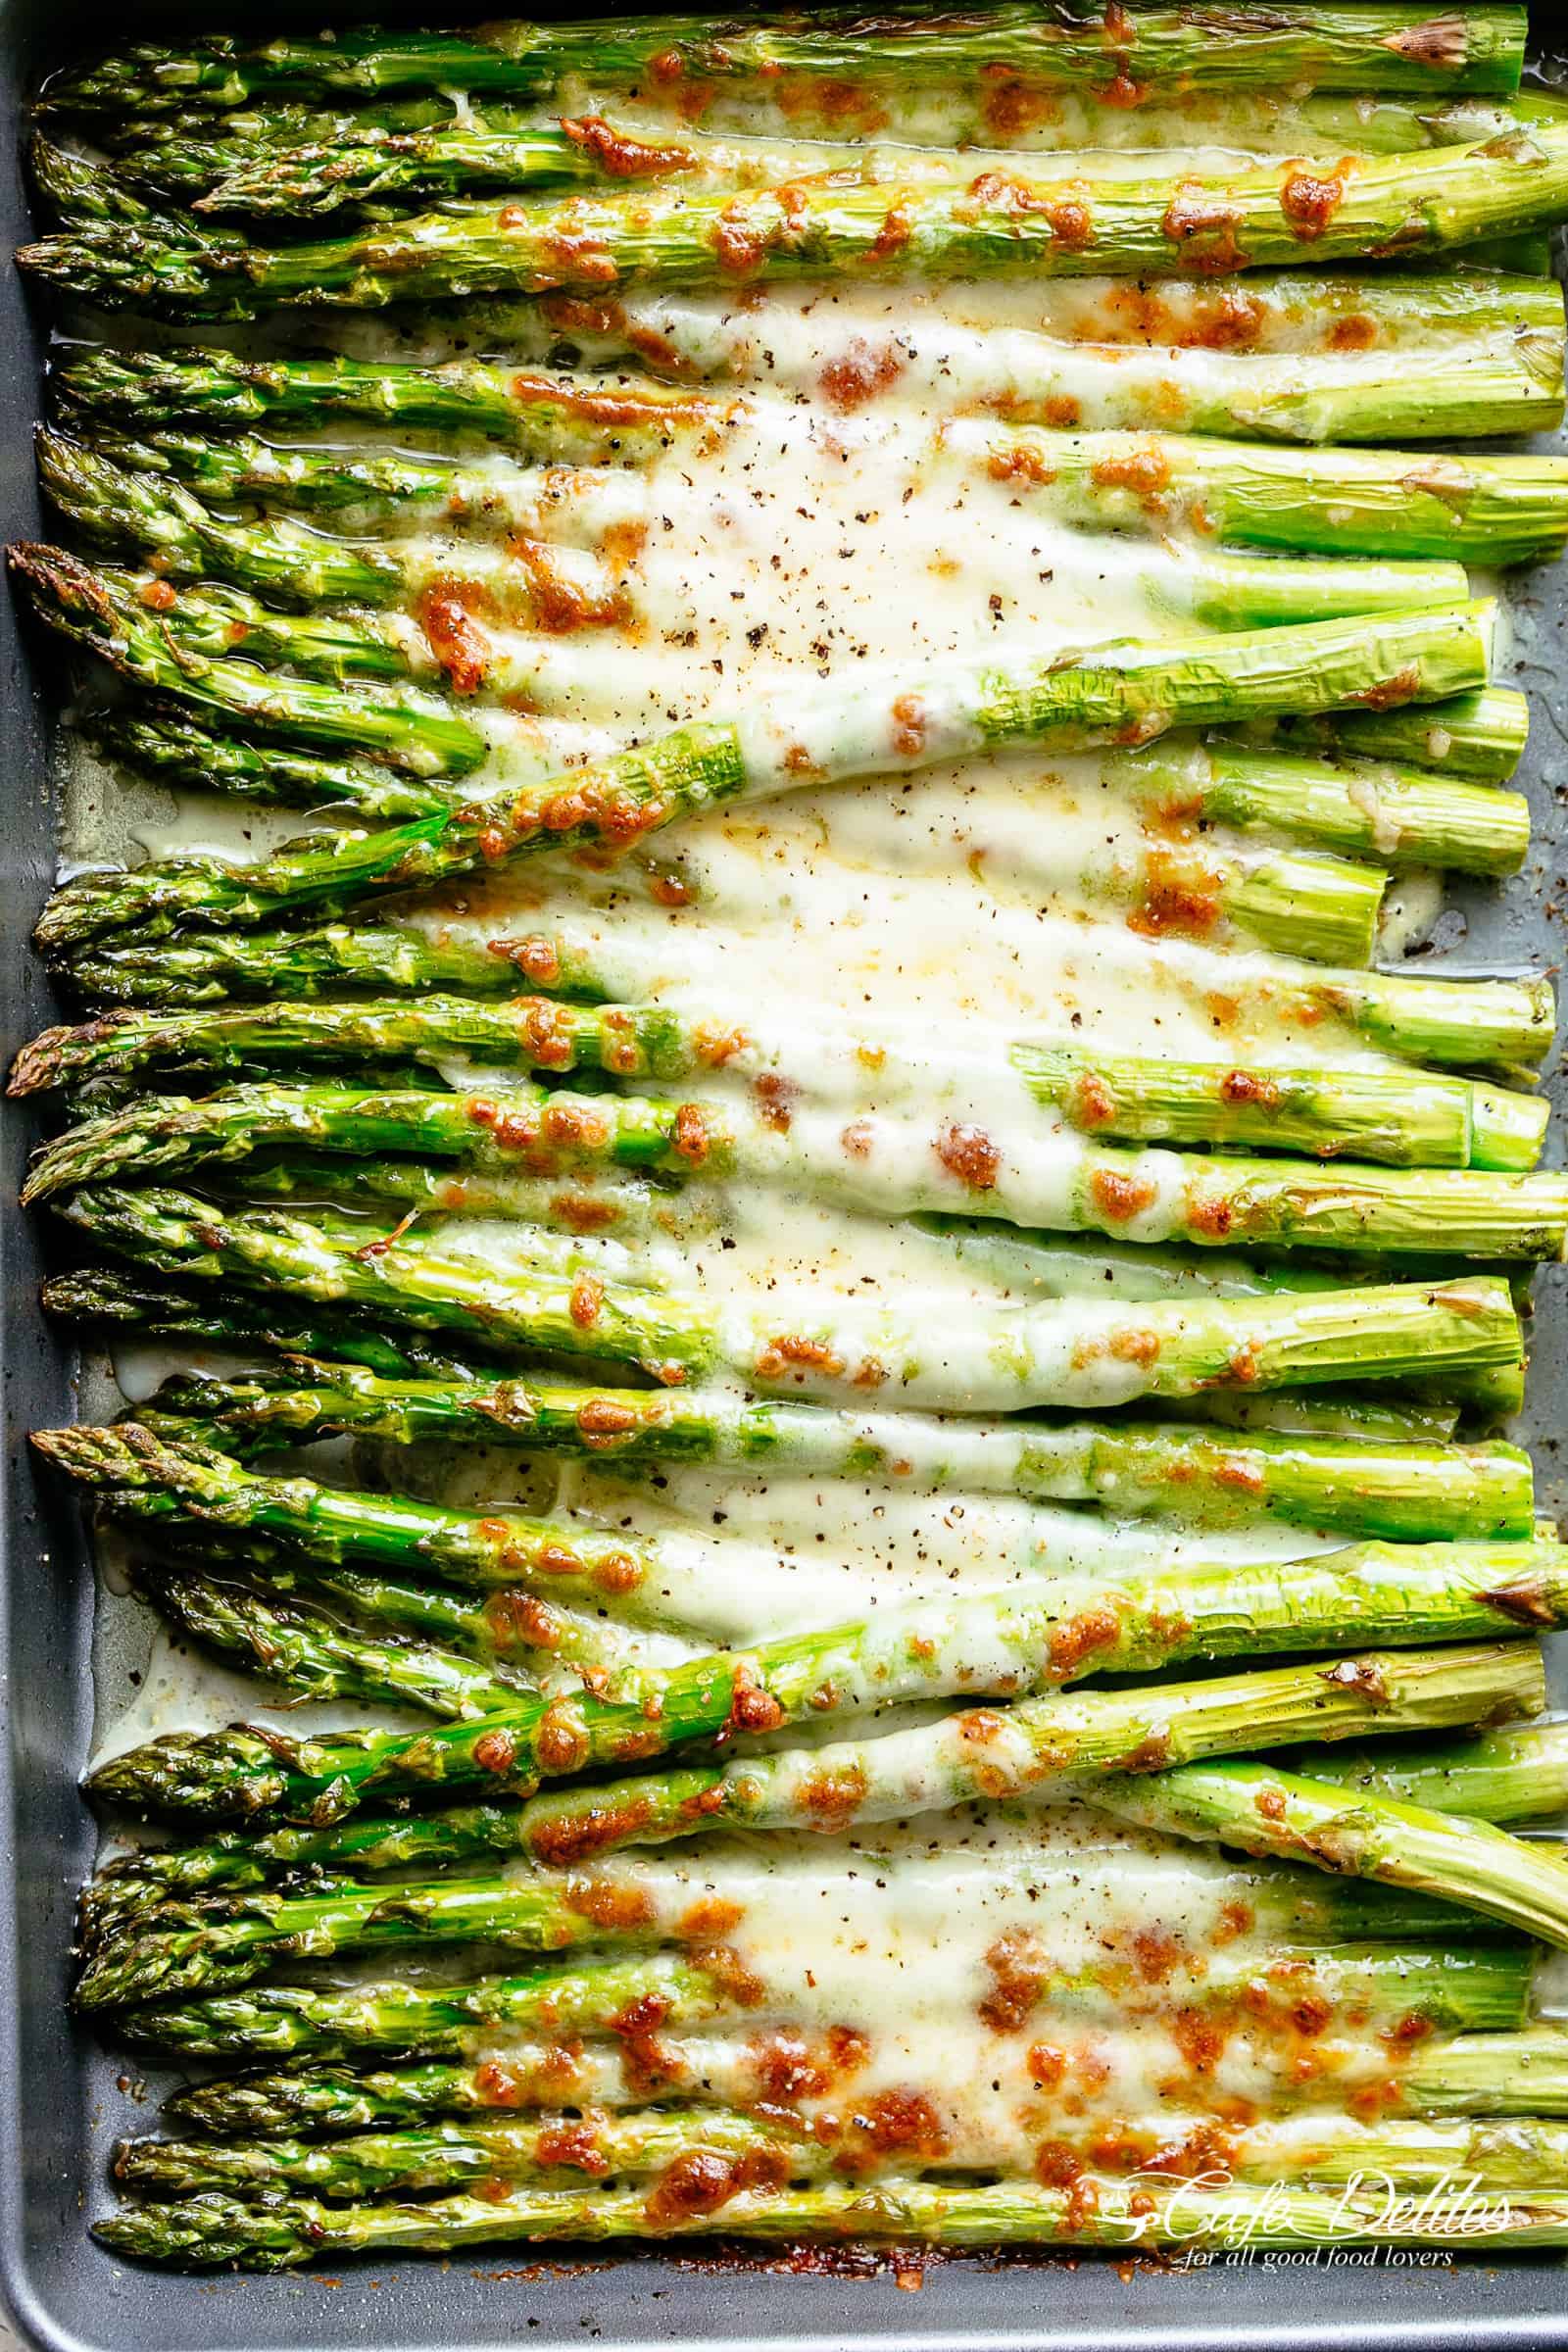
[62, 2100]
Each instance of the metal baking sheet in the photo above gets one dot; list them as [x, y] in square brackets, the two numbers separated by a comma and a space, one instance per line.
[63, 2099]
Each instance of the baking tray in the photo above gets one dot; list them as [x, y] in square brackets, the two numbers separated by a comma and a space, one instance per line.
[63, 2099]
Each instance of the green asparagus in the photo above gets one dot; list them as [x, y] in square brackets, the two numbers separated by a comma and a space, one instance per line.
[1364, 1487]
[1494, 365]
[1365, 503]
[316, 1657]
[1107, 1732]
[1085, 1356]
[213, 2230]
[1174, 224]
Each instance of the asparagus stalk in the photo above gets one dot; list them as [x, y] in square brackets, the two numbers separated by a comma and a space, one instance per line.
[117, 1300]
[539, 1640]
[1383, 502]
[124, 1301]
[1436, 1022]
[367, 165]
[1170, 225]
[1517, 1774]
[1398, 1489]
[1098, 2211]
[996, 1754]
[304, 182]
[1481, 735]
[388, 493]
[1287, 1905]
[1388, 48]
[185, 154]
[1489, 1987]
[885, 1163]
[164, 525]
[1101, 1731]
[1296, 904]
[1008, 1357]
[967, 705]
[316, 1657]
[1497, 367]
[171, 747]
[1523, 2072]
[129, 622]
[389, 957]
[1430, 1121]
[898, 1654]
[1484, 2074]
[546, 2150]
[1397, 815]
[1358, 1831]
[1401, 1593]
[543, 415]
[581, 1997]
[1486, 367]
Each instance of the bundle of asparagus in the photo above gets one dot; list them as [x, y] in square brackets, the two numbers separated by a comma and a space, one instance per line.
[826, 1280]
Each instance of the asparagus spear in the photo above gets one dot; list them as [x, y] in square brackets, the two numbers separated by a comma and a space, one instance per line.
[1363, 1487]
[164, 1310]
[364, 163]
[1523, 2072]
[1175, 223]
[1437, 1021]
[1357, 1831]
[1285, 1905]
[1394, 817]
[304, 182]
[545, 2150]
[129, 623]
[389, 493]
[1489, 1987]
[995, 1754]
[1479, 735]
[164, 522]
[186, 153]
[548, 2151]
[1519, 1773]
[1391, 1593]
[967, 705]
[1494, 365]
[1430, 1121]
[171, 747]
[898, 1654]
[540, 1641]
[318, 1657]
[883, 1162]
[119, 1300]
[1101, 1731]
[164, 525]
[1397, 815]
[1497, 509]
[584, 1995]
[543, 415]
[1386, 48]
[1087, 1356]
[1098, 2211]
